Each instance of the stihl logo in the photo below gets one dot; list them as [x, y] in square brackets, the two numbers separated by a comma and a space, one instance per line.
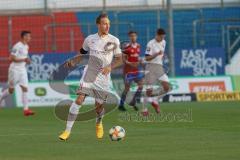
[218, 86]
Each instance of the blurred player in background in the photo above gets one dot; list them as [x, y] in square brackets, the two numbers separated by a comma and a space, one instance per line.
[102, 48]
[154, 66]
[131, 70]
[17, 72]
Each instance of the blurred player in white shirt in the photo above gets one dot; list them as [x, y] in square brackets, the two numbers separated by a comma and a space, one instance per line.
[17, 72]
[102, 48]
[154, 59]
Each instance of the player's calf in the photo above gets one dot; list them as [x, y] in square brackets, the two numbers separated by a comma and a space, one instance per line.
[5, 93]
[99, 116]
[72, 116]
[123, 98]
[26, 110]
[166, 86]
[80, 99]
[10, 91]
[99, 112]
[137, 96]
[153, 100]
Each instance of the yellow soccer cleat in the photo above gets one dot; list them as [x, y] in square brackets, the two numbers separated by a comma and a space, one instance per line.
[64, 136]
[99, 130]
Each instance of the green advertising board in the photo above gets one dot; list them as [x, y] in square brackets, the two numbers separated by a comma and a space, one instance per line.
[236, 82]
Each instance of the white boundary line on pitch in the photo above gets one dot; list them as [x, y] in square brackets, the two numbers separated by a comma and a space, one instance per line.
[25, 134]
[32, 134]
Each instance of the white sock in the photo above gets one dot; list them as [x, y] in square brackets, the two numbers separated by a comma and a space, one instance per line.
[99, 116]
[5, 93]
[72, 116]
[145, 102]
[25, 100]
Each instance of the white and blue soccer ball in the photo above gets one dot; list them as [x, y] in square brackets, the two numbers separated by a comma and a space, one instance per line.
[117, 133]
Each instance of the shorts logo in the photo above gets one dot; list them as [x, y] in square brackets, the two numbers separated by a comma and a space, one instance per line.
[217, 86]
[40, 91]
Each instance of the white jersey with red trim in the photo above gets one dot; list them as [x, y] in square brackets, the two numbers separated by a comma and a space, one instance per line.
[101, 51]
[154, 47]
[20, 51]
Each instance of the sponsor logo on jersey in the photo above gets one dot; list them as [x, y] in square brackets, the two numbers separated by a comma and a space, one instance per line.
[110, 46]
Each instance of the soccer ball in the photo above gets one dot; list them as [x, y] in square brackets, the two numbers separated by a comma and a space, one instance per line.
[117, 133]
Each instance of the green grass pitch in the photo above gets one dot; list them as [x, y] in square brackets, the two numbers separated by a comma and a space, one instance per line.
[213, 134]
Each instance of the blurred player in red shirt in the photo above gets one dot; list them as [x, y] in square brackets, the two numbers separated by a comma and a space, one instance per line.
[131, 70]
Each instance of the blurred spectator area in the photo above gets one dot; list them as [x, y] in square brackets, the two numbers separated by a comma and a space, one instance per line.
[48, 33]
[65, 32]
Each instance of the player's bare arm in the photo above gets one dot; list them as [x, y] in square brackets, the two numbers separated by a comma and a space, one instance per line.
[75, 60]
[19, 60]
[117, 62]
[150, 57]
[124, 58]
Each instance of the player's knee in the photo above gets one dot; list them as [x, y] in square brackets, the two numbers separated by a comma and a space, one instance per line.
[126, 89]
[149, 92]
[140, 85]
[99, 107]
[166, 86]
[24, 89]
[11, 90]
[80, 100]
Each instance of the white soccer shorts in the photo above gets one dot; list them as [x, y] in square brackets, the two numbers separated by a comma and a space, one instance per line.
[16, 77]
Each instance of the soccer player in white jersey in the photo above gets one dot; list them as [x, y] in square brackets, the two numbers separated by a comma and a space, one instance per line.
[102, 48]
[17, 72]
[154, 59]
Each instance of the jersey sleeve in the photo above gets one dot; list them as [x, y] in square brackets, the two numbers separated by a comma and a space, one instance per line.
[125, 48]
[85, 45]
[15, 50]
[148, 49]
[117, 51]
[163, 46]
